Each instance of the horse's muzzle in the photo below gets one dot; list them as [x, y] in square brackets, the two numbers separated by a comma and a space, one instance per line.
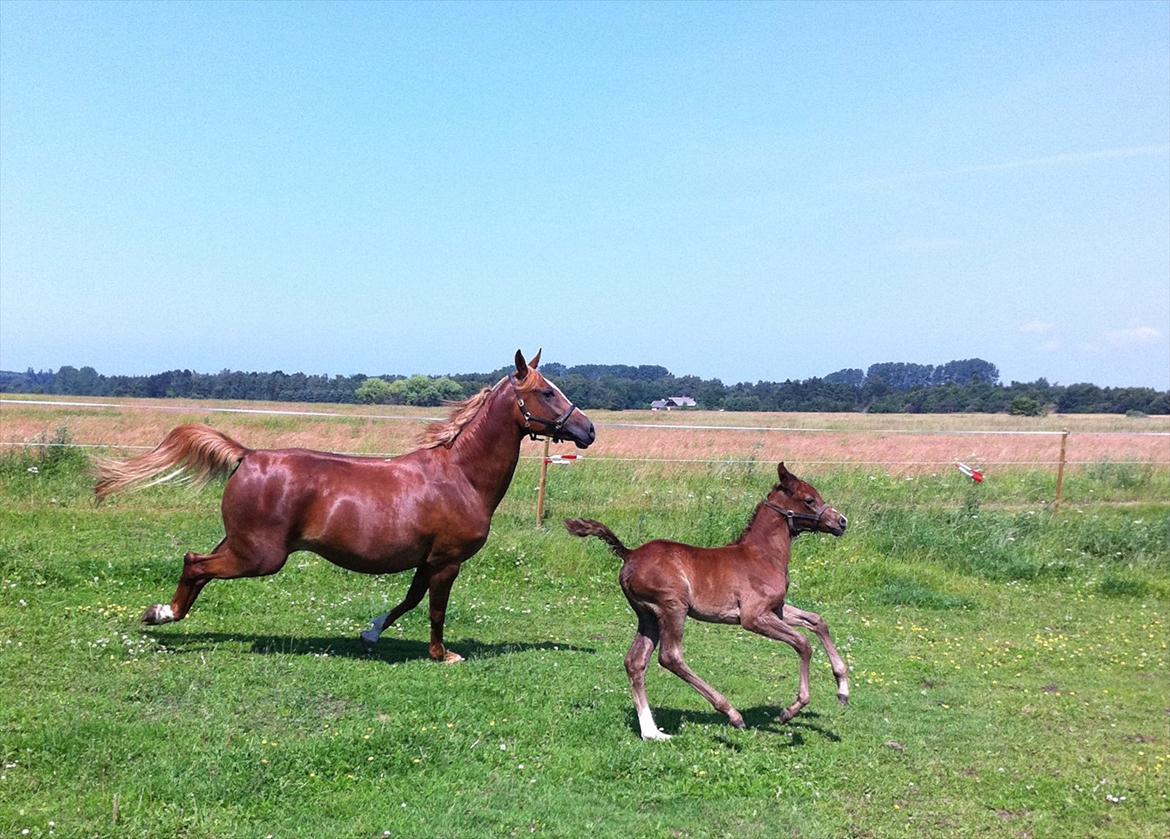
[584, 438]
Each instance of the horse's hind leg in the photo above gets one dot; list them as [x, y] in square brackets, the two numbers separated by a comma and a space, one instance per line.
[227, 561]
[637, 660]
[670, 657]
[811, 620]
[414, 596]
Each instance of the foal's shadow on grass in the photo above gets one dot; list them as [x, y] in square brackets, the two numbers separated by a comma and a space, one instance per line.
[391, 650]
[761, 717]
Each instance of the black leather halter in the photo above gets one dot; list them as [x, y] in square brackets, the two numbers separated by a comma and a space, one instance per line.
[552, 428]
[794, 516]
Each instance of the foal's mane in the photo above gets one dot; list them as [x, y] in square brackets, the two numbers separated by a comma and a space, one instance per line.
[445, 432]
[755, 515]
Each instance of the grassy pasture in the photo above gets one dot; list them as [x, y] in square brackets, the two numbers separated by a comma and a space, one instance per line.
[1010, 668]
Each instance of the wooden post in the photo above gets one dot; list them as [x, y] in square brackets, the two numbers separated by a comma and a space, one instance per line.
[1060, 470]
[540, 491]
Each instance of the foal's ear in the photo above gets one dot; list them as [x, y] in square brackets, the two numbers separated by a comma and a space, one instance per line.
[521, 366]
[786, 477]
[536, 359]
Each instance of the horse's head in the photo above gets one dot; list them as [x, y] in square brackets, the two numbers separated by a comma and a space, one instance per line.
[542, 410]
[802, 505]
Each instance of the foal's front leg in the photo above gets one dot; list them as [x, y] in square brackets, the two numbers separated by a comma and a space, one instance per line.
[811, 620]
[770, 626]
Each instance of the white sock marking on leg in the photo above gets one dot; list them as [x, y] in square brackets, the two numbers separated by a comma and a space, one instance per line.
[371, 635]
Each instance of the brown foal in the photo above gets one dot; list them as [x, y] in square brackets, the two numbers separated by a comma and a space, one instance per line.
[744, 582]
[428, 510]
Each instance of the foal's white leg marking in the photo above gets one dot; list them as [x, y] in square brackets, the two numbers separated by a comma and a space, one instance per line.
[371, 635]
[649, 729]
[162, 613]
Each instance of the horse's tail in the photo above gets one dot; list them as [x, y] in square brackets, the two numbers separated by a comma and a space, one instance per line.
[587, 527]
[189, 453]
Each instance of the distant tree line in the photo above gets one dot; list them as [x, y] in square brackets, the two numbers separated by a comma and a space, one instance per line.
[969, 385]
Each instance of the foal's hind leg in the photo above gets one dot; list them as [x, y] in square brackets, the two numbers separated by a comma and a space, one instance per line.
[414, 596]
[226, 562]
[670, 657]
[811, 620]
[637, 660]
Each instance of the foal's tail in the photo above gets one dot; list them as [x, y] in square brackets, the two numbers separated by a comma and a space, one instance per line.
[189, 453]
[588, 527]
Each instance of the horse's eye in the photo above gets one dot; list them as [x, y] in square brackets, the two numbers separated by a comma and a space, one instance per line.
[548, 394]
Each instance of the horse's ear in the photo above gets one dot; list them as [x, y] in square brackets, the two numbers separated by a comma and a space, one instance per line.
[781, 471]
[521, 366]
[536, 359]
[786, 477]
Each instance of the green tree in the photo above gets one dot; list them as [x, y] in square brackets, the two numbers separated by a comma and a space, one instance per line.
[373, 391]
[1026, 406]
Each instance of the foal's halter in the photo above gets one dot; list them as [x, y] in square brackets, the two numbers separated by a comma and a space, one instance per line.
[794, 516]
[552, 428]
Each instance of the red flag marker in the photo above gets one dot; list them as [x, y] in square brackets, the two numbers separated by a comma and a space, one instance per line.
[973, 474]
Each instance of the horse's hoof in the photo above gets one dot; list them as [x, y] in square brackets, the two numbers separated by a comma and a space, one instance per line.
[785, 716]
[843, 698]
[369, 640]
[451, 658]
[736, 721]
[656, 735]
[158, 613]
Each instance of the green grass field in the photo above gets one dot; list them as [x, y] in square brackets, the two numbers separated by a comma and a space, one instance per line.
[1010, 671]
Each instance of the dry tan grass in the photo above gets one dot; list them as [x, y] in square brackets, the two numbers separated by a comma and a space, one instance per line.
[890, 442]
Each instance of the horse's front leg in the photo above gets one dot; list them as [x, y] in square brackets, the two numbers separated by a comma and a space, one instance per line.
[441, 580]
[770, 626]
[811, 620]
[414, 596]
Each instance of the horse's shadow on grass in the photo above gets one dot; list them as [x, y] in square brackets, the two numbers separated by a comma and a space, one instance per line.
[760, 717]
[390, 650]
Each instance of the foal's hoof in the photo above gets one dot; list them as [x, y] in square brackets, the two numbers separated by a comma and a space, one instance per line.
[736, 720]
[843, 698]
[369, 640]
[656, 734]
[451, 658]
[785, 716]
[158, 613]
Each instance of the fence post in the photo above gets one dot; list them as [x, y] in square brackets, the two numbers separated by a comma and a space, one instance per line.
[1060, 470]
[540, 490]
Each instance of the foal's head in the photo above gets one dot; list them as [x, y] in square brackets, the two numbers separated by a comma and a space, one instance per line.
[541, 408]
[802, 505]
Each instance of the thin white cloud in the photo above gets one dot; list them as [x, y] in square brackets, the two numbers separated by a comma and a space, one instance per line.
[1135, 336]
[1051, 346]
[1036, 327]
[1030, 163]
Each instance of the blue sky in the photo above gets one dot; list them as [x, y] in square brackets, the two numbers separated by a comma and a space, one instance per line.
[757, 191]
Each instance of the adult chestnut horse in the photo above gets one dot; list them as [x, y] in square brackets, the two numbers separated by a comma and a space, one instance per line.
[428, 510]
[744, 582]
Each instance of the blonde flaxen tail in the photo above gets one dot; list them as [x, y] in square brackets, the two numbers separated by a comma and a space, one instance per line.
[195, 453]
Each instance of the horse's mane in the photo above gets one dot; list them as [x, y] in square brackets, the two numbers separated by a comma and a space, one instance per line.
[444, 432]
[755, 515]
